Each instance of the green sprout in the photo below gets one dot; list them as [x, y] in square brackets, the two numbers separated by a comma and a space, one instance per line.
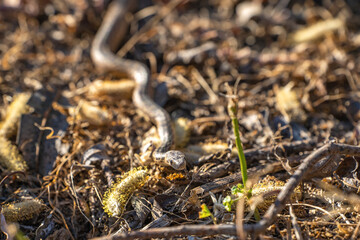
[228, 202]
[240, 189]
[205, 212]
[233, 110]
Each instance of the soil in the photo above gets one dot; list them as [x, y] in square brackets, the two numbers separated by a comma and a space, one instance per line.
[290, 68]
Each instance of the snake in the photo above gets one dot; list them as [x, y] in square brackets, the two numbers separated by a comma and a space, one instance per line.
[107, 39]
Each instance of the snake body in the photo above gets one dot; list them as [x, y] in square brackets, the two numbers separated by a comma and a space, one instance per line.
[106, 41]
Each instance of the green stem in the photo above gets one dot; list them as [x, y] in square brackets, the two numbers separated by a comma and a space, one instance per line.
[232, 107]
[257, 215]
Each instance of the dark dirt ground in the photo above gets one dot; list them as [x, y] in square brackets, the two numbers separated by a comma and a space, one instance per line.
[298, 88]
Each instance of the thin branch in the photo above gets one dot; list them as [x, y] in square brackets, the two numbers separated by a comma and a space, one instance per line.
[295, 179]
[295, 224]
[166, 232]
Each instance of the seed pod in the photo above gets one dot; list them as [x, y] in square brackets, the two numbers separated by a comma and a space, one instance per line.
[10, 157]
[9, 125]
[265, 192]
[27, 209]
[116, 198]
[122, 88]
[91, 113]
[210, 148]
[287, 102]
[182, 129]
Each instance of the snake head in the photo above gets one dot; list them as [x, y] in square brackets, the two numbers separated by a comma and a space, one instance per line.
[175, 159]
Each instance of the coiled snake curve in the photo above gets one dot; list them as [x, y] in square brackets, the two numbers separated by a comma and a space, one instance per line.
[106, 41]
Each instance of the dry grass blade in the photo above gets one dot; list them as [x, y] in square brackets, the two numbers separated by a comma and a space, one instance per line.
[317, 30]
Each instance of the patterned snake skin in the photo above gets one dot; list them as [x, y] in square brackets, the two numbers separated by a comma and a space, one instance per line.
[106, 41]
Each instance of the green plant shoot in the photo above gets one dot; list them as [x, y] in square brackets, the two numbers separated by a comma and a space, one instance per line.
[205, 212]
[233, 110]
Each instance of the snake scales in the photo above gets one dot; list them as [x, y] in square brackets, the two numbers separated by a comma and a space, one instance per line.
[106, 41]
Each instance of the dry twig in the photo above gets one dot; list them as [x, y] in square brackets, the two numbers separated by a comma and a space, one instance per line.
[270, 215]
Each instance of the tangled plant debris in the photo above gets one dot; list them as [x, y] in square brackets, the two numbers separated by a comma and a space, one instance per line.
[75, 130]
